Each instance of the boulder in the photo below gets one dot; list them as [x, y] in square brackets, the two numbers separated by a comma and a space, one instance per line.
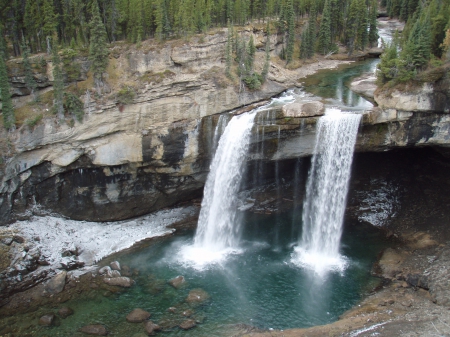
[151, 327]
[94, 329]
[106, 270]
[115, 265]
[197, 296]
[122, 281]
[365, 86]
[115, 273]
[177, 282]
[47, 320]
[306, 109]
[187, 324]
[56, 284]
[65, 312]
[138, 315]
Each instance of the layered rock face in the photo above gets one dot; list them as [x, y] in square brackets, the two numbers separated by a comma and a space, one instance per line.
[128, 160]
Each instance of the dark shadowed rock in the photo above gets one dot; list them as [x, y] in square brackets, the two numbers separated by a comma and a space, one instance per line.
[151, 327]
[65, 312]
[138, 315]
[94, 329]
[197, 296]
[177, 282]
[187, 324]
[122, 281]
[47, 320]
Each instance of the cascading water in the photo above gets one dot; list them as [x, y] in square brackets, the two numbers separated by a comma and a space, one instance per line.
[326, 192]
[218, 229]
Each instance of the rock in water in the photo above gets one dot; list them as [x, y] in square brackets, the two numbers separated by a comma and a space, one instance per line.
[94, 329]
[56, 284]
[151, 327]
[138, 315]
[197, 296]
[187, 324]
[65, 312]
[115, 265]
[177, 282]
[122, 281]
[47, 320]
[307, 109]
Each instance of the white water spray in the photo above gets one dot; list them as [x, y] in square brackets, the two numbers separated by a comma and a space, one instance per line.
[218, 230]
[326, 192]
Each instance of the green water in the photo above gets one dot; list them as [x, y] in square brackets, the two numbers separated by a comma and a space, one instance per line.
[333, 85]
[259, 287]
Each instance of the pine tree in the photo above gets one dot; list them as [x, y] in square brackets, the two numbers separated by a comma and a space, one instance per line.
[98, 51]
[50, 19]
[29, 79]
[324, 44]
[266, 66]
[290, 16]
[373, 30]
[309, 36]
[229, 51]
[9, 119]
[387, 69]
[58, 83]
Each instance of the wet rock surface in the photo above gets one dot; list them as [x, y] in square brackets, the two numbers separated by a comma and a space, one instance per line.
[94, 329]
[177, 282]
[138, 315]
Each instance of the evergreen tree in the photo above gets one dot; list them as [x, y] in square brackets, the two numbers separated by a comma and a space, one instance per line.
[9, 118]
[309, 36]
[229, 51]
[324, 44]
[50, 19]
[387, 68]
[265, 70]
[98, 52]
[29, 79]
[290, 16]
[373, 30]
[58, 83]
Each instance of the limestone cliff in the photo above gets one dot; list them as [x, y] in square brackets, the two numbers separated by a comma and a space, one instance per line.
[128, 159]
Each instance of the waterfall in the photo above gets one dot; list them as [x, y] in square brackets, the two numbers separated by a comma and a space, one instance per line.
[326, 192]
[218, 230]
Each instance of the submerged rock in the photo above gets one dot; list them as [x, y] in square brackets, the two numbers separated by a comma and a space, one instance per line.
[122, 281]
[151, 327]
[138, 315]
[197, 296]
[177, 282]
[188, 324]
[65, 312]
[94, 329]
[47, 320]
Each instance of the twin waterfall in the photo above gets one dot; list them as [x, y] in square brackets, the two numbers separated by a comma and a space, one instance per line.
[218, 232]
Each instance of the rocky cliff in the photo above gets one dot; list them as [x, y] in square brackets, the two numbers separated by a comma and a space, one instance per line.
[128, 159]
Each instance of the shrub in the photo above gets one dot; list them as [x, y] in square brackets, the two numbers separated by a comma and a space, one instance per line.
[74, 106]
[126, 95]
